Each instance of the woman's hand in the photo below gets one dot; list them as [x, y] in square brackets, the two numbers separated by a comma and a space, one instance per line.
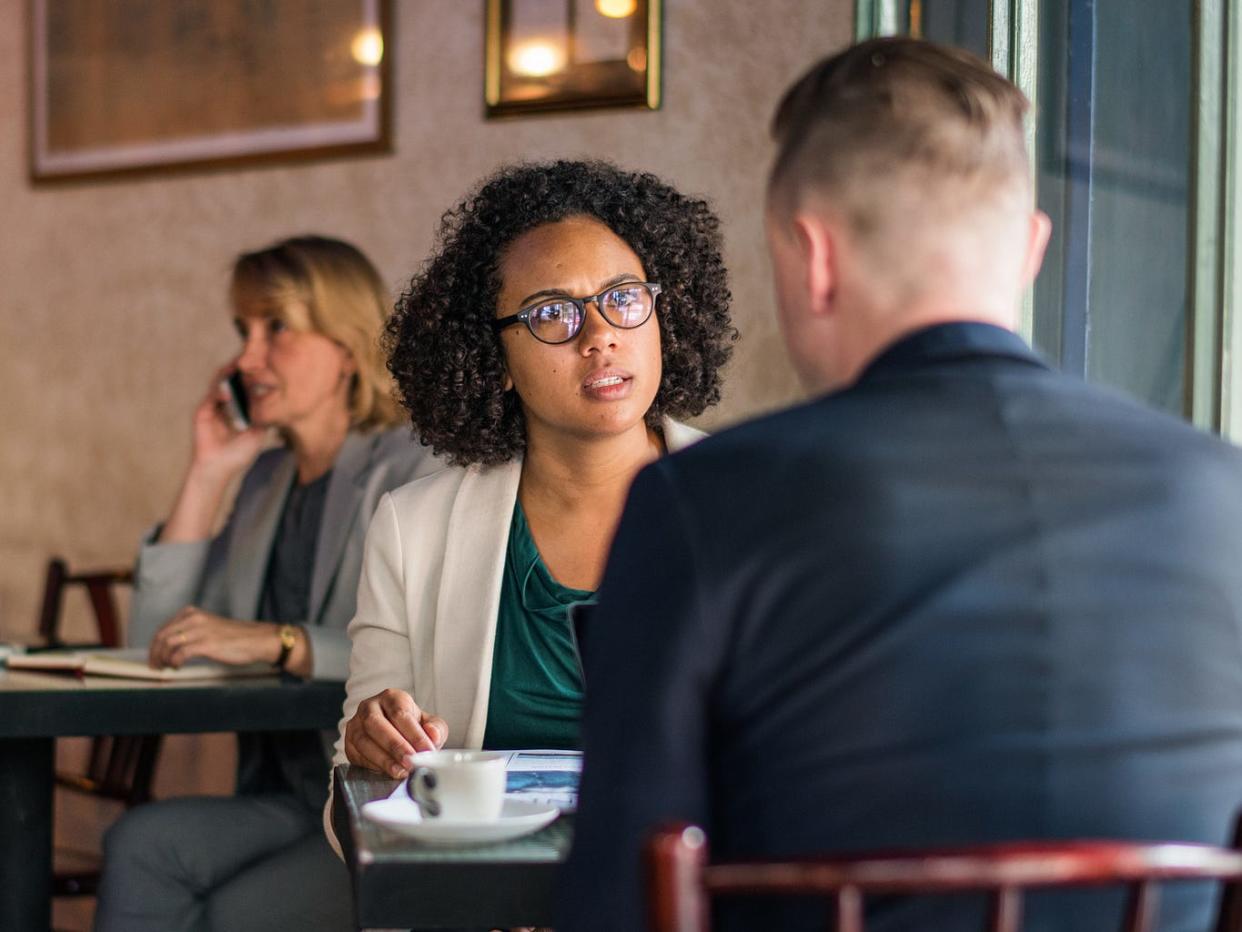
[387, 729]
[194, 633]
[220, 449]
[220, 453]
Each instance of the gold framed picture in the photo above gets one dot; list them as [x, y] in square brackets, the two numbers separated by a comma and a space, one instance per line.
[130, 85]
[547, 55]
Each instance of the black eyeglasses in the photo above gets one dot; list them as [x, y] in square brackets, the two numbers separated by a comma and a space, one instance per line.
[559, 320]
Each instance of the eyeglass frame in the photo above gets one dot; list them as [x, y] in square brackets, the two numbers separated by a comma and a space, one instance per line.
[523, 315]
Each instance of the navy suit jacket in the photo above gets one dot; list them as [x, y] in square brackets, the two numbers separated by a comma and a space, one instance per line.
[966, 599]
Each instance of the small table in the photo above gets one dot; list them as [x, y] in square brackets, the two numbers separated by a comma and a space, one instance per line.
[398, 882]
[37, 708]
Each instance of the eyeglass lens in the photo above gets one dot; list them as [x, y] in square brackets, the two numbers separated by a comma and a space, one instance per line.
[625, 306]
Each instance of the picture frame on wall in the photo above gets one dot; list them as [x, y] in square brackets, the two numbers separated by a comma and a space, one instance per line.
[556, 55]
[129, 85]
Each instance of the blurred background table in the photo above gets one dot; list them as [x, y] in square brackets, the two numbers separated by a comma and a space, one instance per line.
[37, 708]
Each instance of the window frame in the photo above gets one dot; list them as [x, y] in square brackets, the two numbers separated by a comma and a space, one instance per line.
[1213, 389]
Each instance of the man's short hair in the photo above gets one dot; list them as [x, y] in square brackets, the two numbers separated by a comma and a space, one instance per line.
[896, 126]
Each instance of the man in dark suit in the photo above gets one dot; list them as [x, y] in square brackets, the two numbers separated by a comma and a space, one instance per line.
[958, 596]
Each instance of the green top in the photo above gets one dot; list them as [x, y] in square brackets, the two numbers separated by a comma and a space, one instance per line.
[536, 692]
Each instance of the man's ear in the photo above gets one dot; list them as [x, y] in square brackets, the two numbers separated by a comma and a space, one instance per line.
[815, 242]
[1039, 231]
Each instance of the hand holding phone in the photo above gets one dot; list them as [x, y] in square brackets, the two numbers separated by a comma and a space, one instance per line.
[224, 440]
[236, 405]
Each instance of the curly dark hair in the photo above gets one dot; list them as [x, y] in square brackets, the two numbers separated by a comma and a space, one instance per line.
[447, 359]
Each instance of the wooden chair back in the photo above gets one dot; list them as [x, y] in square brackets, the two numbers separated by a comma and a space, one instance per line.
[119, 768]
[681, 883]
[99, 589]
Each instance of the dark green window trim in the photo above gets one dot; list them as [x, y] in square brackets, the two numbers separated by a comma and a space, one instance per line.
[1212, 390]
[1015, 54]
[876, 18]
[1231, 222]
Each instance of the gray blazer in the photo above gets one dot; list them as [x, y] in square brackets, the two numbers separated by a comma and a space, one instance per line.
[225, 575]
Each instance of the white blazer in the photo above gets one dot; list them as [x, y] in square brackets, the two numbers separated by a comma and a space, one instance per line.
[429, 594]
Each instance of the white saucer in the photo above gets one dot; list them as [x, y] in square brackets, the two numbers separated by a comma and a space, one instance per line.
[517, 817]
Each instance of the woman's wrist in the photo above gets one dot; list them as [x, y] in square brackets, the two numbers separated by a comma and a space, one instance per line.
[288, 648]
[286, 640]
[210, 476]
[265, 639]
[194, 512]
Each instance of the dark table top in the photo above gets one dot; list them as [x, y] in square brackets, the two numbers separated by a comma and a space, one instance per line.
[398, 882]
[37, 705]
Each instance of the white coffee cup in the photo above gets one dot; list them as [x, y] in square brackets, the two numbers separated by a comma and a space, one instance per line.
[458, 786]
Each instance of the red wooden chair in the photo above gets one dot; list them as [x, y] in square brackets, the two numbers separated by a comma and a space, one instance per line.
[119, 768]
[99, 588]
[681, 882]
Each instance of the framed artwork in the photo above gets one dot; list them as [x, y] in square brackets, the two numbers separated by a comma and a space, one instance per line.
[545, 55]
[131, 85]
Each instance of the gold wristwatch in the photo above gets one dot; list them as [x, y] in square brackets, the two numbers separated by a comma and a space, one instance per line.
[288, 640]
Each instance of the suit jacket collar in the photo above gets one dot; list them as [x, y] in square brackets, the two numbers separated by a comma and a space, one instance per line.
[346, 488]
[254, 530]
[258, 519]
[948, 343]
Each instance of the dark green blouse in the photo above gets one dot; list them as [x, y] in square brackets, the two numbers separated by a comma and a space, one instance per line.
[536, 691]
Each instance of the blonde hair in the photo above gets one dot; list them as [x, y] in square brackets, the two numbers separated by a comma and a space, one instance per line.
[324, 285]
[902, 138]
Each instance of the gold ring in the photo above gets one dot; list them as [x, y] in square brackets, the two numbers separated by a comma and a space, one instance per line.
[180, 638]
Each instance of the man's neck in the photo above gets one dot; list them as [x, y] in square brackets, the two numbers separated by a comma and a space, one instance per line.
[872, 332]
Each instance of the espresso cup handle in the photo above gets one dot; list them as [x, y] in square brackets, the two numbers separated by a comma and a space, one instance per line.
[421, 783]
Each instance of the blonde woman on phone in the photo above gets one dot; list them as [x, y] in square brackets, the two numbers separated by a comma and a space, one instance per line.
[275, 586]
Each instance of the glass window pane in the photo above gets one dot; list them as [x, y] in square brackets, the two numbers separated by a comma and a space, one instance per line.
[962, 23]
[1115, 106]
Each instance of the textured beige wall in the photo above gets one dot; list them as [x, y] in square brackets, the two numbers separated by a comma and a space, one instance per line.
[112, 309]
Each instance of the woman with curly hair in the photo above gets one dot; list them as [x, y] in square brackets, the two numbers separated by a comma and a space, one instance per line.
[571, 311]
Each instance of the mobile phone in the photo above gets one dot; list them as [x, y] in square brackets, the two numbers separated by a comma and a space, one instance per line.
[237, 407]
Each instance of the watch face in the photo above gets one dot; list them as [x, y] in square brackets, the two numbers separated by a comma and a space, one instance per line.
[288, 640]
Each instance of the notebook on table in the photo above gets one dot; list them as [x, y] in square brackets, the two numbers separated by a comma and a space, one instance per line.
[550, 777]
[546, 776]
[128, 663]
